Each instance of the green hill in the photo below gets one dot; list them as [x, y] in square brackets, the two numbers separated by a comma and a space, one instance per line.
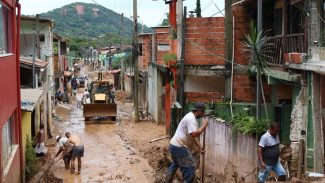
[85, 20]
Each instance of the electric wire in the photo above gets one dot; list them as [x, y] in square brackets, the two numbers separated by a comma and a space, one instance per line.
[221, 11]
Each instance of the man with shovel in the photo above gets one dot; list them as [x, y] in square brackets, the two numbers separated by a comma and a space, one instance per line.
[186, 134]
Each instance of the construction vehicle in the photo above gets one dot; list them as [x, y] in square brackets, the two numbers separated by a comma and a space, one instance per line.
[100, 105]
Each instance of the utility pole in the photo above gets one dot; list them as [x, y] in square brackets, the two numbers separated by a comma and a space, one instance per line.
[37, 38]
[135, 60]
[121, 49]
[34, 52]
[258, 75]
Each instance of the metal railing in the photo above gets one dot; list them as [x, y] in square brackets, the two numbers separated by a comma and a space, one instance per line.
[279, 45]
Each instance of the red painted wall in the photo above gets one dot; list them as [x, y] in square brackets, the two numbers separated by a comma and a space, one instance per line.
[10, 95]
[205, 41]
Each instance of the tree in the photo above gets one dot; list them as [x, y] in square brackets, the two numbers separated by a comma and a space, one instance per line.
[165, 22]
[198, 8]
[257, 45]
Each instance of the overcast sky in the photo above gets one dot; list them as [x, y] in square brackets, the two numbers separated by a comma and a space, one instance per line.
[150, 12]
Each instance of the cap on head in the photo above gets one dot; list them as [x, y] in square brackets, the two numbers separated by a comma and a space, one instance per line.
[57, 138]
[199, 106]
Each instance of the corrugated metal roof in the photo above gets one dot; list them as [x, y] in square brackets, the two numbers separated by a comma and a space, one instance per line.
[29, 98]
[29, 61]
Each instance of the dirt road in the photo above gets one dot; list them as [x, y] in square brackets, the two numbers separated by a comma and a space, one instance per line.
[108, 157]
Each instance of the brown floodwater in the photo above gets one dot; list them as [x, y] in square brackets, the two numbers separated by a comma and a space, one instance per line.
[107, 158]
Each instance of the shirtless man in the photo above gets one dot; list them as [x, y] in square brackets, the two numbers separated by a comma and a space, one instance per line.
[77, 151]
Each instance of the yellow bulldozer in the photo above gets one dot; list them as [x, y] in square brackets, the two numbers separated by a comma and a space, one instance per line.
[101, 104]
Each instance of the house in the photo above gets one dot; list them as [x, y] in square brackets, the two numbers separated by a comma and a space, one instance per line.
[157, 73]
[294, 81]
[144, 59]
[37, 73]
[10, 121]
[60, 60]
[31, 114]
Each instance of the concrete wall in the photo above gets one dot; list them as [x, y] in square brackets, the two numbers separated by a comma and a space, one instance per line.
[205, 84]
[225, 147]
[298, 123]
[128, 84]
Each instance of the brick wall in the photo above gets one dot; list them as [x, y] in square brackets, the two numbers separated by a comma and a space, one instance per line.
[205, 41]
[203, 96]
[144, 60]
[162, 37]
[244, 86]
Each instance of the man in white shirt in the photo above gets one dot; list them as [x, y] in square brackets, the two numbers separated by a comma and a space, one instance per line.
[184, 137]
[65, 148]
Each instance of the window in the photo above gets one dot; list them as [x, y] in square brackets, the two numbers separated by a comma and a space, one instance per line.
[5, 30]
[7, 141]
[163, 47]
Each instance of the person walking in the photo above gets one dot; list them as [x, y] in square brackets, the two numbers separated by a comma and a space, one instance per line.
[65, 148]
[40, 148]
[268, 154]
[185, 136]
[77, 151]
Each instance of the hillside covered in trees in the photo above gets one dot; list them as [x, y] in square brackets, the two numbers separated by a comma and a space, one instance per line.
[88, 20]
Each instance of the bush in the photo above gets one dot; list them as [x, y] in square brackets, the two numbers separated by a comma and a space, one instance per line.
[31, 167]
[249, 125]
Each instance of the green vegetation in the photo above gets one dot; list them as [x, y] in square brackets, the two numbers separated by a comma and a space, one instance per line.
[249, 125]
[257, 45]
[198, 8]
[165, 22]
[169, 57]
[89, 24]
[90, 29]
[31, 162]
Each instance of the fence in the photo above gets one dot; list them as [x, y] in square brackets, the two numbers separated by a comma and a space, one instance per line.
[223, 145]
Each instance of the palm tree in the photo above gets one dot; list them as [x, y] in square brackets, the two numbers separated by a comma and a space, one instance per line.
[257, 45]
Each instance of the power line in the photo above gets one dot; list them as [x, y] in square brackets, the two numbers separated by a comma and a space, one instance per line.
[213, 54]
[221, 11]
[163, 16]
[207, 6]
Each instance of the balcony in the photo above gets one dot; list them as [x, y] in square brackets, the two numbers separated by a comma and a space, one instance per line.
[283, 44]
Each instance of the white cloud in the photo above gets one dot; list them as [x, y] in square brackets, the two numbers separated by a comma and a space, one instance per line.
[150, 12]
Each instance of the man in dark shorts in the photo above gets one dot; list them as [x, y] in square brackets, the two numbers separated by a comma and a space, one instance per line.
[77, 151]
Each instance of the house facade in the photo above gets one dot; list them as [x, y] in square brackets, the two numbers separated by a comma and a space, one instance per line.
[37, 51]
[294, 80]
[10, 121]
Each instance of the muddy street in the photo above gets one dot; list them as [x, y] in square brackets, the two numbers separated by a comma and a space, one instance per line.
[108, 157]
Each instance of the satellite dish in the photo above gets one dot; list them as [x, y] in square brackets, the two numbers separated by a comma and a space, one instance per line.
[47, 52]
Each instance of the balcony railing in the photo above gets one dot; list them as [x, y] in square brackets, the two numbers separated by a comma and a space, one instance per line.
[279, 45]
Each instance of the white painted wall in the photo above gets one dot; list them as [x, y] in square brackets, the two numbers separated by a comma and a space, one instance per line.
[205, 84]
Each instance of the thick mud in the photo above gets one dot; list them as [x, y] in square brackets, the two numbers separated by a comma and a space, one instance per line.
[107, 157]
